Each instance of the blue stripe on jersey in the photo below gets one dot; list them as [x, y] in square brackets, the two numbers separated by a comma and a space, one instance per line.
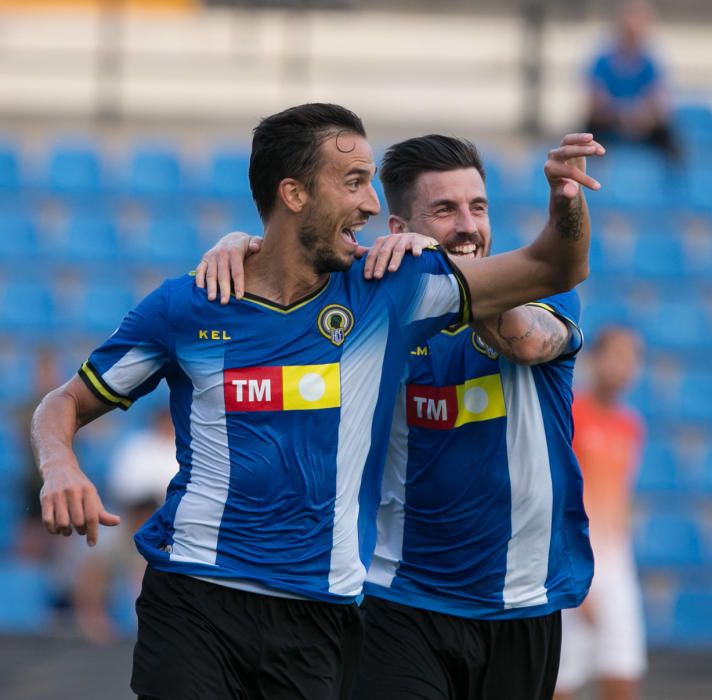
[274, 488]
[484, 520]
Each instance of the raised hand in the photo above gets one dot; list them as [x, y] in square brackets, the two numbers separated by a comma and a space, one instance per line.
[565, 168]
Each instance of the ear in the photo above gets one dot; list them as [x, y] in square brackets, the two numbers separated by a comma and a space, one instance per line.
[396, 224]
[293, 194]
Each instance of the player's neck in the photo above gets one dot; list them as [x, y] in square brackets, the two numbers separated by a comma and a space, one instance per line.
[280, 272]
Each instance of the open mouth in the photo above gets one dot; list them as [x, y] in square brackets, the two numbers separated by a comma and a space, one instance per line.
[466, 250]
[349, 232]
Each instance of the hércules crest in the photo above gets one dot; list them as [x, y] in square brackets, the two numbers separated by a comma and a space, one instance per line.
[483, 347]
[335, 323]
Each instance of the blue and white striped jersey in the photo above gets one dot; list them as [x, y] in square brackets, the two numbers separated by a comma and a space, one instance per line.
[282, 417]
[482, 513]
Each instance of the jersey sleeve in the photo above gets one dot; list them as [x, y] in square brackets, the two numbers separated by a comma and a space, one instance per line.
[132, 362]
[429, 294]
[567, 308]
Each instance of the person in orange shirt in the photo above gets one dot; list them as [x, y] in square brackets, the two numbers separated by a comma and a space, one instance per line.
[604, 639]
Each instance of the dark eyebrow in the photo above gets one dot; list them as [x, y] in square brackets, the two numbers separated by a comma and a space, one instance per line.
[363, 172]
[449, 202]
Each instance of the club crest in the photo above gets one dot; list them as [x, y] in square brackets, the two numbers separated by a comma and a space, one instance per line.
[483, 347]
[335, 323]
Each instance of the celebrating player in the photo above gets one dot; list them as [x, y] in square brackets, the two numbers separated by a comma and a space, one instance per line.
[281, 401]
[482, 535]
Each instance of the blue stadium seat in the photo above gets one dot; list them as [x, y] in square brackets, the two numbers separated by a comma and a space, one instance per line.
[693, 618]
[89, 237]
[635, 177]
[25, 604]
[99, 307]
[26, 306]
[75, 169]
[16, 376]
[10, 521]
[228, 173]
[659, 469]
[154, 170]
[531, 188]
[18, 237]
[677, 326]
[173, 242]
[695, 398]
[494, 179]
[691, 119]
[699, 192]
[10, 175]
[658, 256]
[505, 238]
[669, 540]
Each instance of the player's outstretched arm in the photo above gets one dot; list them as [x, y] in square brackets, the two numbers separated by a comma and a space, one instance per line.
[69, 500]
[558, 259]
[526, 335]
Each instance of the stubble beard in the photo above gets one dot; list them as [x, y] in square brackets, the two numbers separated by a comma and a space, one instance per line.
[319, 253]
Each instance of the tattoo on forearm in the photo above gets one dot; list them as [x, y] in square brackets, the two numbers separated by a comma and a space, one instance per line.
[550, 332]
[570, 223]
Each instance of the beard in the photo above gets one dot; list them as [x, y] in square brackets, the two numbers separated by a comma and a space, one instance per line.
[320, 252]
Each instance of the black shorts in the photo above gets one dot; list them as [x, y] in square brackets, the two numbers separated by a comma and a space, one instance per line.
[416, 654]
[201, 641]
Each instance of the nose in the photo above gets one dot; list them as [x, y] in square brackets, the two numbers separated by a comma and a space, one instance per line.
[371, 205]
[465, 222]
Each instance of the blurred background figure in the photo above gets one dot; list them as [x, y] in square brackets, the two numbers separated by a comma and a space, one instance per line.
[628, 100]
[603, 640]
[108, 577]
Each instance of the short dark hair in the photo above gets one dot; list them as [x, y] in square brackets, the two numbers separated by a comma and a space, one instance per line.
[287, 145]
[405, 161]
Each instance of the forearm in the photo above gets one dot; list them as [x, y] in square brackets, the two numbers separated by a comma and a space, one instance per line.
[562, 246]
[526, 335]
[58, 418]
[54, 424]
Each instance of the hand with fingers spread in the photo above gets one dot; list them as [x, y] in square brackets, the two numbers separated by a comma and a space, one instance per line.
[565, 167]
[387, 252]
[221, 268]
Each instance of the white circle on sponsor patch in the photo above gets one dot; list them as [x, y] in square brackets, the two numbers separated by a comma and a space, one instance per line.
[476, 399]
[312, 386]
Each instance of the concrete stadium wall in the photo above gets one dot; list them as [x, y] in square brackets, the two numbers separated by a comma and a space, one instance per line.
[415, 71]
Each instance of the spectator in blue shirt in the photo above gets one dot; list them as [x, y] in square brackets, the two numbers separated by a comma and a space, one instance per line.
[627, 97]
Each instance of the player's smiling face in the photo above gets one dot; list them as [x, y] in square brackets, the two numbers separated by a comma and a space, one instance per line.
[343, 199]
[451, 207]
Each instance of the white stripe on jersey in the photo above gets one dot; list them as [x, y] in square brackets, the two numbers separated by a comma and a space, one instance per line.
[197, 519]
[134, 368]
[532, 499]
[391, 514]
[361, 369]
[436, 296]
